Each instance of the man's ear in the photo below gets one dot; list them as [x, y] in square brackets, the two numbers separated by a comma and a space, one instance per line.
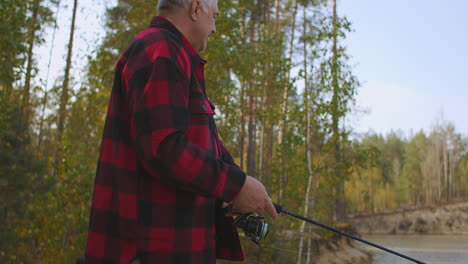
[195, 9]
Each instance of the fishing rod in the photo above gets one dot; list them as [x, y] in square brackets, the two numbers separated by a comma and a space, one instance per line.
[256, 229]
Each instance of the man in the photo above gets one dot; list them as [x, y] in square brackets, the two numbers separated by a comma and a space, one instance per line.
[163, 174]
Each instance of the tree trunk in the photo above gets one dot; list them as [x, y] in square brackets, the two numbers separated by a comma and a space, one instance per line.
[372, 190]
[284, 107]
[306, 212]
[242, 126]
[446, 166]
[277, 11]
[437, 175]
[270, 140]
[32, 38]
[282, 126]
[450, 172]
[309, 249]
[339, 188]
[264, 102]
[65, 88]
[242, 102]
[251, 147]
[251, 130]
[46, 93]
[261, 154]
[308, 98]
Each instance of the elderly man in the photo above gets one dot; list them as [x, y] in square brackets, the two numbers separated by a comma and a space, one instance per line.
[163, 175]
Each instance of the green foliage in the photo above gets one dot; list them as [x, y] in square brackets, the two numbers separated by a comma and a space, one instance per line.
[409, 172]
[15, 36]
[21, 178]
[12, 40]
[258, 62]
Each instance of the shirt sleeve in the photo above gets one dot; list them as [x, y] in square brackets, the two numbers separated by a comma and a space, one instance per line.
[226, 155]
[161, 119]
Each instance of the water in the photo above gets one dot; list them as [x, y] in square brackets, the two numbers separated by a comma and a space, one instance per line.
[434, 249]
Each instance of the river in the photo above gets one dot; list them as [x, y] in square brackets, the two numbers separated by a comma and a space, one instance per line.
[433, 249]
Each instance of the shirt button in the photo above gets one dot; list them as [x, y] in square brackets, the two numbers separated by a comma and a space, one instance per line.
[204, 107]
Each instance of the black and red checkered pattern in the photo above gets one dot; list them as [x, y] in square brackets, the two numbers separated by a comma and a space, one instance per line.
[163, 172]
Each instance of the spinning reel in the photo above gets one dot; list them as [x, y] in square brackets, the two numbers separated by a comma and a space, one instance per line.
[255, 227]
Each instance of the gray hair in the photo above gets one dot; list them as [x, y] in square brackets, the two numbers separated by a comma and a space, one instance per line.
[178, 6]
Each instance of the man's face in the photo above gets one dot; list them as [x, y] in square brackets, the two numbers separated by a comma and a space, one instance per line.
[205, 26]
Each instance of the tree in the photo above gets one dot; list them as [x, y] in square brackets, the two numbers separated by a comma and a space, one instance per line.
[13, 41]
[31, 41]
[65, 91]
[21, 177]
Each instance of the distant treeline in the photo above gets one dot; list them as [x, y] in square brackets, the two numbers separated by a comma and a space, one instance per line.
[415, 171]
[282, 85]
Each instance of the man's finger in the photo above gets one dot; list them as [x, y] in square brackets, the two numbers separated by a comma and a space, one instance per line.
[270, 208]
[260, 211]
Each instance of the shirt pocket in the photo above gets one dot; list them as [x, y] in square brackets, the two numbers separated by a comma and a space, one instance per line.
[202, 127]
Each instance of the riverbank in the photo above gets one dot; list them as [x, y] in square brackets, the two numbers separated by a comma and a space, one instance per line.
[451, 219]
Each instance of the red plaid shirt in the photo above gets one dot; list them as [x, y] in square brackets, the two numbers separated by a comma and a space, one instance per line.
[163, 172]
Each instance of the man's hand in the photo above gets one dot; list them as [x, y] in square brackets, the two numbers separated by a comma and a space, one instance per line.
[253, 197]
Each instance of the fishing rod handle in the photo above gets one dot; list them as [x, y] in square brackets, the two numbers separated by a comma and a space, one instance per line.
[278, 208]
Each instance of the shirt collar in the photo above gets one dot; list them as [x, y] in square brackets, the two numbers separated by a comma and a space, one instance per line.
[162, 22]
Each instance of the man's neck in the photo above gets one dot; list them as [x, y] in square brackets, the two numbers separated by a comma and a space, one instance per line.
[182, 23]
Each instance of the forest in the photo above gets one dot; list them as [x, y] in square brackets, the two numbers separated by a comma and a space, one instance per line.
[282, 81]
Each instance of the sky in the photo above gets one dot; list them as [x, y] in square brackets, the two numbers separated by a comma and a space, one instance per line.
[89, 30]
[410, 56]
